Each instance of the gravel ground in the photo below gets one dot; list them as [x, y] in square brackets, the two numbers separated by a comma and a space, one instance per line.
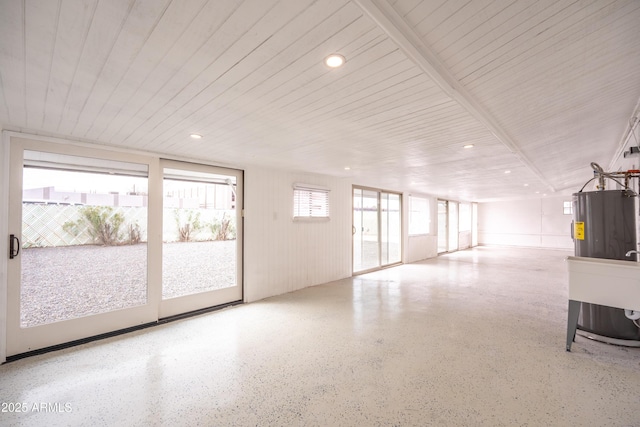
[74, 281]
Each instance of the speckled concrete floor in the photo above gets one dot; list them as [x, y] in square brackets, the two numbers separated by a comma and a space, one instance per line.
[472, 338]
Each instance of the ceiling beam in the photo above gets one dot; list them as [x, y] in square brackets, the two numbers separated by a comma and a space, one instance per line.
[394, 25]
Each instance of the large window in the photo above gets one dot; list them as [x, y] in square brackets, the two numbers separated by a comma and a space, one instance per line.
[419, 216]
[84, 237]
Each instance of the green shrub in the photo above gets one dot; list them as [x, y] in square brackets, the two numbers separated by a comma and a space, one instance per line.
[224, 229]
[100, 222]
[134, 234]
[189, 226]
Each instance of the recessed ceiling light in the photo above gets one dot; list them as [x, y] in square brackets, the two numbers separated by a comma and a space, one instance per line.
[347, 168]
[196, 136]
[468, 146]
[334, 60]
[526, 185]
[507, 171]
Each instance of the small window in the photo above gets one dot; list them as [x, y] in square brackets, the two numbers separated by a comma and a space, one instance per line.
[419, 218]
[567, 208]
[310, 201]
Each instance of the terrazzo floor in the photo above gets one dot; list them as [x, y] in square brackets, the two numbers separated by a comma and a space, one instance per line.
[473, 338]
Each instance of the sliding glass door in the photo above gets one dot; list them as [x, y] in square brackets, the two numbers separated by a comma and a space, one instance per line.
[390, 230]
[457, 225]
[366, 248]
[201, 258]
[79, 232]
[377, 229]
[102, 241]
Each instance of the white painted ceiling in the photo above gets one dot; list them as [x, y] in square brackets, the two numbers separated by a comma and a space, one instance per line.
[540, 87]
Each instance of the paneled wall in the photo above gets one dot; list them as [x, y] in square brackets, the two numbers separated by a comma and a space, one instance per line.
[421, 247]
[282, 255]
[531, 223]
[464, 240]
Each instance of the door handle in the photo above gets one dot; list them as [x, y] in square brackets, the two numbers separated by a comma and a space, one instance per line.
[14, 249]
[572, 228]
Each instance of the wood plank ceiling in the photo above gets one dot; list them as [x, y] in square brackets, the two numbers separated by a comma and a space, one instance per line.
[540, 88]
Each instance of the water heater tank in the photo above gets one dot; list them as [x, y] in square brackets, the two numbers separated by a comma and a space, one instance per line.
[605, 227]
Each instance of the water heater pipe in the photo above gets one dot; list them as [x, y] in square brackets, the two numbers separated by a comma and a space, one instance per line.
[600, 175]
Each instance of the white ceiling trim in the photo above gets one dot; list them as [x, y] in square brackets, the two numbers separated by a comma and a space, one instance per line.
[386, 17]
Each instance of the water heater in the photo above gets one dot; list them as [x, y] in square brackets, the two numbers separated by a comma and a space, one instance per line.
[604, 226]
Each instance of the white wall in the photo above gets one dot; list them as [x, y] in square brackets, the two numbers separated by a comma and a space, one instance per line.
[464, 240]
[531, 223]
[282, 255]
[421, 247]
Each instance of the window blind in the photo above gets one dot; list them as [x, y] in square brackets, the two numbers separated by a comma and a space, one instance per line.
[310, 201]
